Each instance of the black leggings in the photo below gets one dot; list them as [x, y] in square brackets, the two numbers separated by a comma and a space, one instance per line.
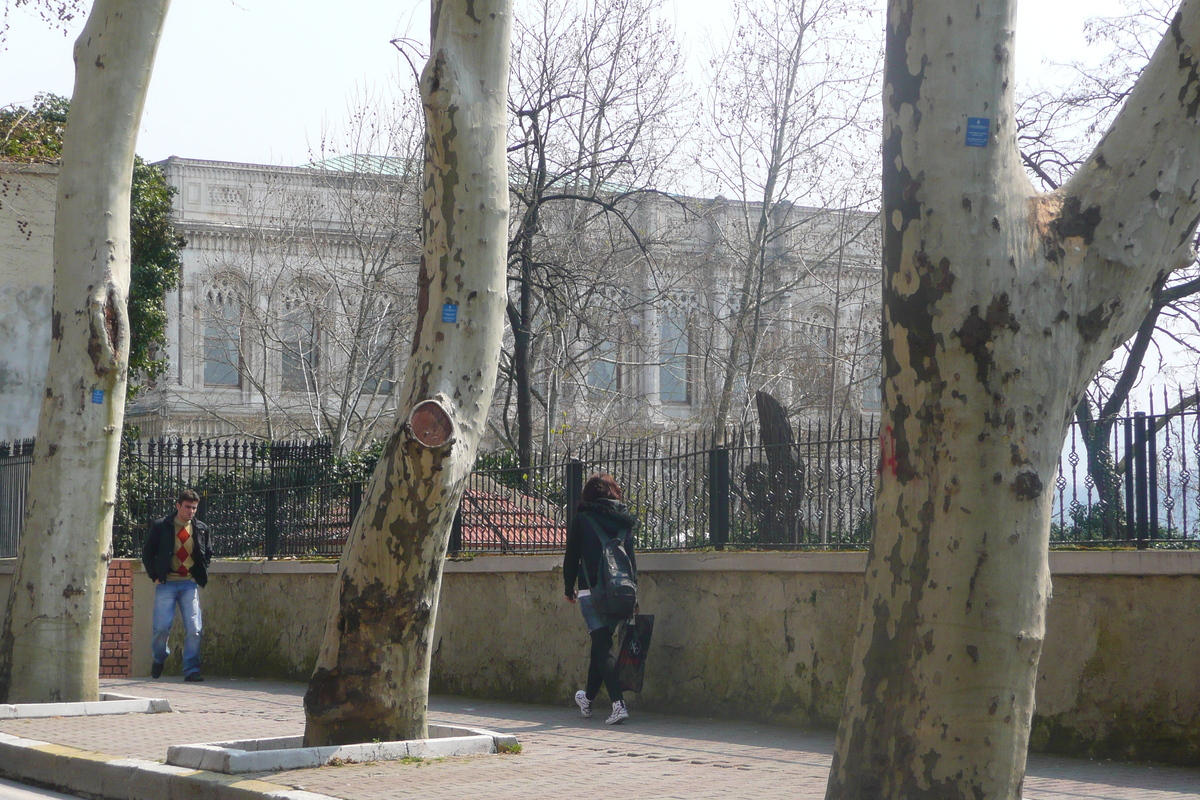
[602, 667]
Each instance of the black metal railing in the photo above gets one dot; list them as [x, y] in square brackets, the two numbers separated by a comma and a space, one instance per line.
[1131, 480]
[1128, 484]
[16, 458]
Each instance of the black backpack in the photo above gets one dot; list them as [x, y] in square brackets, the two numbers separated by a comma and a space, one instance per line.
[615, 592]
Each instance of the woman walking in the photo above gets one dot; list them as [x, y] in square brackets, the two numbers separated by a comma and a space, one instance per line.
[600, 507]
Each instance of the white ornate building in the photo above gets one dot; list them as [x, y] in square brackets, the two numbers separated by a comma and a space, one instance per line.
[298, 290]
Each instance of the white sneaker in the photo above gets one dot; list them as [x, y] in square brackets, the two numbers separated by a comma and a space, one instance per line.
[585, 705]
[619, 713]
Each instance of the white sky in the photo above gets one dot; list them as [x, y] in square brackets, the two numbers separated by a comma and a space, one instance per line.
[255, 80]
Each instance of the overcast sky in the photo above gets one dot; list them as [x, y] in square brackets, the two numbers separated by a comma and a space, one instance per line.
[254, 80]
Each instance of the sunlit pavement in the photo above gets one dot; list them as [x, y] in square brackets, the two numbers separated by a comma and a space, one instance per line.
[563, 755]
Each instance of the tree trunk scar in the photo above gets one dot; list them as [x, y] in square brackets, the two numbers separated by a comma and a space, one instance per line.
[424, 279]
[1027, 485]
[978, 333]
[983, 557]
[887, 448]
[1092, 324]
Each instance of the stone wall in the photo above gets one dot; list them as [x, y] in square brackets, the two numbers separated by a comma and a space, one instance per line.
[763, 636]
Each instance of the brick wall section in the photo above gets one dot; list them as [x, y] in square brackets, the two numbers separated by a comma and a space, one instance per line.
[117, 629]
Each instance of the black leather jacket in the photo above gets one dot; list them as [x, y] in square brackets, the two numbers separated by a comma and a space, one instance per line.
[160, 546]
[583, 543]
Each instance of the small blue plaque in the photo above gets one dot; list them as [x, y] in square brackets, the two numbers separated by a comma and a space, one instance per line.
[449, 312]
[97, 396]
[977, 131]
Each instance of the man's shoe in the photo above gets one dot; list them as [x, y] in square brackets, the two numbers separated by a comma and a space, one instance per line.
[619, 713]
[196, 677]
[585, 705]
[156, 670]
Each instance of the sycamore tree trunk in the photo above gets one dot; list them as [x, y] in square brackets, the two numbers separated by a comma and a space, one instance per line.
[50, 645]
[999, 305]
[372, 675]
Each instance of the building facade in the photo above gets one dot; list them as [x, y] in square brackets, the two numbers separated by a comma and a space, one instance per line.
[298, 294]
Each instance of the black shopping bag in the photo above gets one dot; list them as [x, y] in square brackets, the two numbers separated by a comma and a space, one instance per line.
[635, 643]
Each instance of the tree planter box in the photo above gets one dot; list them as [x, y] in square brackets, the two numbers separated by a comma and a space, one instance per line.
[288, 752]
[109, 703]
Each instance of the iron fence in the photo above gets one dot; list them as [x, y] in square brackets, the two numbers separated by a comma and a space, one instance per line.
[15, 460]
[1131, 480]
[1132, 483]
[261, 498]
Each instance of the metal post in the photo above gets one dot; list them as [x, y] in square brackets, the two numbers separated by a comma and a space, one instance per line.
[1152, 463]
[718, 497]
[272, 533]
[355, 500]
[1141, 488]
[455, 545]
[574, 488]
[1130, 504]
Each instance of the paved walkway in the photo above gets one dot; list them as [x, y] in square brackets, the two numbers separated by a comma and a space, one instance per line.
[651, 756]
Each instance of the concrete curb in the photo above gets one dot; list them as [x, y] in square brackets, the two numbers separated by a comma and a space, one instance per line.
[109, 703]
[105, 777]
[289, 752]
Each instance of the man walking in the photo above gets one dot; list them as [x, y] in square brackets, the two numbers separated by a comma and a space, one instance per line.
[176, 555]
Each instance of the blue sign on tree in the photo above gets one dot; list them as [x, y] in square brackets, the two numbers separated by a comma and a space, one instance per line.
[977, 131]
[449, 312]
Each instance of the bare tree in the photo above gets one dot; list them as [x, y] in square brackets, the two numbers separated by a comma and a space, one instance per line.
[1000, 305]
[372, 674]
[54, 13]
[788, 111]
[310, 302]
[597, 112]
[50, 646]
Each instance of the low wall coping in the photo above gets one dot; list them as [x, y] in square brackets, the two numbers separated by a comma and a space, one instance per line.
[1062, 562]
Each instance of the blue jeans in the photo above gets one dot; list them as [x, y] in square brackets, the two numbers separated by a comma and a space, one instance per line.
[186, 595]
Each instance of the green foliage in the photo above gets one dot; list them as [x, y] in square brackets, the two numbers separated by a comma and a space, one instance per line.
[497, 459]
[357, 465]
[155, 268]
[32, 135]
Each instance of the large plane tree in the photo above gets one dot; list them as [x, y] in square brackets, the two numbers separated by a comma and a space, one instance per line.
[50, 643]
[372, 674]
[1000, 304]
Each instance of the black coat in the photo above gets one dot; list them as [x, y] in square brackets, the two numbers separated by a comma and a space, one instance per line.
[160, 546]
[584, 545]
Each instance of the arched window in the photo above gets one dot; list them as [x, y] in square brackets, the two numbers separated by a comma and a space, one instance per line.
[606, 340]
[604, 372]
[298, 341]
[816, 333]
[378, 341]
[222, 312]
[675, 351]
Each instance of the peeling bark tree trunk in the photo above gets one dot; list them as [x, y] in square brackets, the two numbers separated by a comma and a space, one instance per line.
[50, 645]
[1000, 305]
[372, 675]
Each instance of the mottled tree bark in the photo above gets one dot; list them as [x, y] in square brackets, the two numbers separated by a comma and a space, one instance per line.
[1000, 305]
[50, 645]
[372, 675]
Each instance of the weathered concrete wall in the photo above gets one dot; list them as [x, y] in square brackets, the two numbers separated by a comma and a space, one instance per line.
[751, 635]
[1119, 675]
[758, 635]
[27, 196]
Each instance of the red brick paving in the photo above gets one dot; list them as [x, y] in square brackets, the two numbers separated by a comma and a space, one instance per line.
[652, 756]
